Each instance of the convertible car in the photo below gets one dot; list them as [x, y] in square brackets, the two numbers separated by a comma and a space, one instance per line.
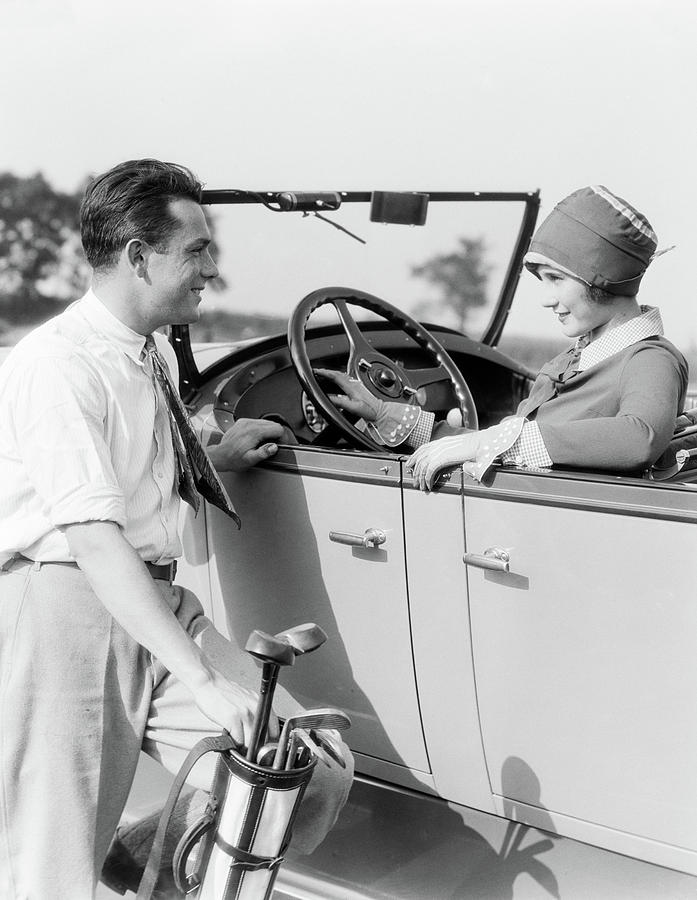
[517, 656]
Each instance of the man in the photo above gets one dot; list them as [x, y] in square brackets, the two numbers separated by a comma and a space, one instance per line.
[100, 653]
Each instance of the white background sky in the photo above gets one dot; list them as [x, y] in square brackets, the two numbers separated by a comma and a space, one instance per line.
[363, 94]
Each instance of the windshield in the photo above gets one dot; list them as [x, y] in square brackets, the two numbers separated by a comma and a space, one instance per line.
[450, 270]
[455, 269]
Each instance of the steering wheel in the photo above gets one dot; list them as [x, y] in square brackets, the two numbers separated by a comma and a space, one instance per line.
[382, 376]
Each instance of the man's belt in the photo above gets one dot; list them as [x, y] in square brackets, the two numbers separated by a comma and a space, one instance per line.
[163, 573]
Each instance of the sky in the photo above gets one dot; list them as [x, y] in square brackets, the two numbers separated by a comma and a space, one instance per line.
[364, 94]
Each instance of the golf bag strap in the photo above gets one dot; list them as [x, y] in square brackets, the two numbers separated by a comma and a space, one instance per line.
[218, 743]
[241, 859]
[186, 883]
[245, 860]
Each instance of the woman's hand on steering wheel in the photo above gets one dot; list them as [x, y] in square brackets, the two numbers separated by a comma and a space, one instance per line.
[355, 397]
[391, 422]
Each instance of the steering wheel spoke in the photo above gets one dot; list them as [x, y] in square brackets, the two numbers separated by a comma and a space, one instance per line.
[381, 375]
[358, 344]
[423, 377]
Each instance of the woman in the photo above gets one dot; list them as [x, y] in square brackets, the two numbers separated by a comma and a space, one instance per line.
[611, 399]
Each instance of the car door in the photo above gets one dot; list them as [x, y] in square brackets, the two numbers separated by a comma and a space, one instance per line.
[584, 651]
[298, 558]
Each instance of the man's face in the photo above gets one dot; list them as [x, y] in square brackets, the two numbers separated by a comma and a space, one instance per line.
[179, 273]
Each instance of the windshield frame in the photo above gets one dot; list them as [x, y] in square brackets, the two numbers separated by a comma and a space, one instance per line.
[191, 379]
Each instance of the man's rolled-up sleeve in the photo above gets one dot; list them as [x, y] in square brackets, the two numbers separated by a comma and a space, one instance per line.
[60, 434]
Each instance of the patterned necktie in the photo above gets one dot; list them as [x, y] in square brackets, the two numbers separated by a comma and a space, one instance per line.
[196, 472]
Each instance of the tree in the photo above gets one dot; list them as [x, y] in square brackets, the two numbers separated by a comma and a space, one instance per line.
[41, 263]
[461, 276]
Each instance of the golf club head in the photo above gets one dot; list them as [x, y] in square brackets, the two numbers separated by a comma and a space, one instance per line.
[299, 736]
[303, 638]
[330, 744]
[270, 649]
[325, 717]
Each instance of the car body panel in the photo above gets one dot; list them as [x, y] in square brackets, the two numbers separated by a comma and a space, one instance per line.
[282, 568]
[443, 647]
[582, 660]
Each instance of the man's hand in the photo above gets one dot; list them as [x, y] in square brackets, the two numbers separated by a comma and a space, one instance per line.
[230, 705]
[248, 442]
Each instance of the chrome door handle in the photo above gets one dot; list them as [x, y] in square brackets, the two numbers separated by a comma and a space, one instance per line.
[372, 537]
[493, 558]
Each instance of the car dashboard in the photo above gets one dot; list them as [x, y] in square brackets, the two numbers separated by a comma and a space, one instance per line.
[261, 382]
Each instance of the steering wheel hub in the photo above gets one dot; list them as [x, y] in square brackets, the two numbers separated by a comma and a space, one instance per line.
[385, 380]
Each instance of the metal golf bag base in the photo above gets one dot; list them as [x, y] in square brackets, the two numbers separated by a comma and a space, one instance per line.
[240, 840]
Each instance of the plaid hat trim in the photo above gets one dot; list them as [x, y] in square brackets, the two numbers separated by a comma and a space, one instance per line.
[639, 223]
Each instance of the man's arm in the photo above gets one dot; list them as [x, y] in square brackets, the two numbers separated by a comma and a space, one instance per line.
[123, 584]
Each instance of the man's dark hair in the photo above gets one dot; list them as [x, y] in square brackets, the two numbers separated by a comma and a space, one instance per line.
[132, 201]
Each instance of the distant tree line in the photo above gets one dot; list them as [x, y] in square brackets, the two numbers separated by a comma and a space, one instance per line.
[42, 267]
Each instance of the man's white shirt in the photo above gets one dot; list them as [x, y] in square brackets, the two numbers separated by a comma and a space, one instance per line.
[79, 445]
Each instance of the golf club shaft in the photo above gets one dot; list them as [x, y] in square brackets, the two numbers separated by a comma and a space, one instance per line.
[269, 677]
[292, 749]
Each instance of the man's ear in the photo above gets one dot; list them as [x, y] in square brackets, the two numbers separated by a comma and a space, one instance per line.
[137, 253]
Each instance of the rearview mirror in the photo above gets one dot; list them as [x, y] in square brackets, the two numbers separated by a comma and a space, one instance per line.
[398, 207]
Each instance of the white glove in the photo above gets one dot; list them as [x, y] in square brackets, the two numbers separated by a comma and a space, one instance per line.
[389, 422]
[474, 450]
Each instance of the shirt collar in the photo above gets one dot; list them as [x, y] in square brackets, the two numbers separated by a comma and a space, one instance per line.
[116, 331]
[648, 324]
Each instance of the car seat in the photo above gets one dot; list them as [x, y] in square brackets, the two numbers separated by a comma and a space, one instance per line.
[679, 461]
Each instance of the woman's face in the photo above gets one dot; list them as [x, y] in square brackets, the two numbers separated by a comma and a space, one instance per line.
[570, 301]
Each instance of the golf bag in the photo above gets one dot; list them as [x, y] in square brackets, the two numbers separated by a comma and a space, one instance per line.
[239, 842]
